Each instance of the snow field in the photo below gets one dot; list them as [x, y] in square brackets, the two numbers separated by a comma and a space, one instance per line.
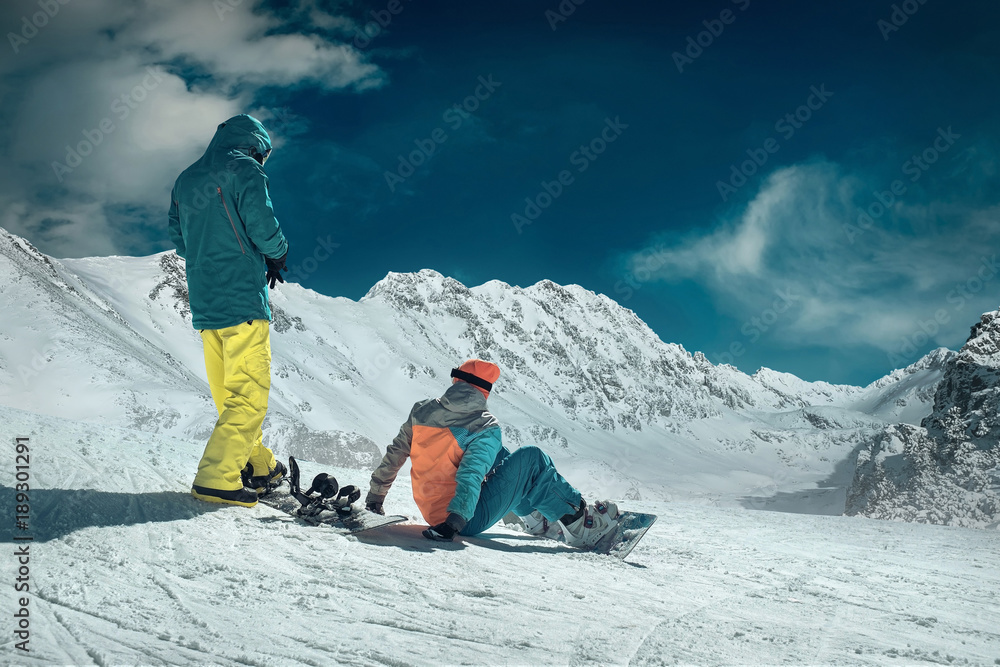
[128, 569]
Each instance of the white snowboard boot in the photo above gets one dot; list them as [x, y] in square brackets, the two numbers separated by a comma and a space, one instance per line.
[597, 521]
[536, 524]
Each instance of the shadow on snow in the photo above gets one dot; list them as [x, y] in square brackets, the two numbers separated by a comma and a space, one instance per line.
[59, 512]
[829, 498]
[409, 538]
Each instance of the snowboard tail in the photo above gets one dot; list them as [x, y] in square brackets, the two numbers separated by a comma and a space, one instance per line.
[619, 543]
[631, 528]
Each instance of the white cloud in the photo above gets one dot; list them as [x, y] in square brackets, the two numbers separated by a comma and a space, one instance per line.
[875, 289]
[240, 46]
[70, 230]
[141, 87]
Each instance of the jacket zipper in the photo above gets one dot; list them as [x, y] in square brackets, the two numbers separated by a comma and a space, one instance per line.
[230, 219]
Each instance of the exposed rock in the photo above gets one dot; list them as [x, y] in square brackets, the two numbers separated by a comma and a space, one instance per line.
[947, 470]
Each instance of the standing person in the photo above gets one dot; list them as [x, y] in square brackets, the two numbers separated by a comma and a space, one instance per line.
[465, 480]
[223, 225]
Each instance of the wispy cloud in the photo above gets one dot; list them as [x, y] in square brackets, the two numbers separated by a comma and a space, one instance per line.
[239, 45]
[918, 260]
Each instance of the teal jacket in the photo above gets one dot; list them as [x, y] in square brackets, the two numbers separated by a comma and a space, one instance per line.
[223, 225]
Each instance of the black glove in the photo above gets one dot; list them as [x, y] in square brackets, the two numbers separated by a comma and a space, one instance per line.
[274, 269]
[445, 532]
[373, 503]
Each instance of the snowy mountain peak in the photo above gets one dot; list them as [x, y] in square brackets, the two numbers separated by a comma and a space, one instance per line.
[935, 360]
[407, 288]
[983, 345]
[23, 255]
[433, 287]
[945, 471]
[971, 387]
[787, 383]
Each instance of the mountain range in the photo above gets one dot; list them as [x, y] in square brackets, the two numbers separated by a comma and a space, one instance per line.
[108, 340]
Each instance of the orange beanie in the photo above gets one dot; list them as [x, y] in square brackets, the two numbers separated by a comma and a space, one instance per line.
[485, 371]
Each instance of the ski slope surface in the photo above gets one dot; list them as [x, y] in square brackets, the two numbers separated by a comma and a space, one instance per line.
[101, 372]
[128, 569]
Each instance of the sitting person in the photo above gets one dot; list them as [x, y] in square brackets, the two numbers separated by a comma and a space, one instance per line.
[465, 480]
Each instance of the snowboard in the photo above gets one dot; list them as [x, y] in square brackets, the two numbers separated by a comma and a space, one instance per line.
[618, 543]
[325, 503]
[357, 521]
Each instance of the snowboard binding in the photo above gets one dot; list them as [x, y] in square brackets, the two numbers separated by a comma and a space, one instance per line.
[329, 495]
[264, 484]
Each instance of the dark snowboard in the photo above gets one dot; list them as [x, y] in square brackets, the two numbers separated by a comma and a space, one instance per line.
[325, 503]
[357, 521]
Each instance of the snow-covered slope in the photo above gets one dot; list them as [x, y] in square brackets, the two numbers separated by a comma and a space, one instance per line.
[906, 394]
[127, 569]
[109, 340]
[102, 373]
[65, 350]
[948, 470]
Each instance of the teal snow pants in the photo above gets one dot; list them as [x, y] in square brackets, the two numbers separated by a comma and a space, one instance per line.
[524, 481]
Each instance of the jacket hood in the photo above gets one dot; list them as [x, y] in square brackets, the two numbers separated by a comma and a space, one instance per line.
[463, 397]
[241, 131]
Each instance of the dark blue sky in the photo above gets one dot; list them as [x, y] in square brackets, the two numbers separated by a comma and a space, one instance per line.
[645, 222]
[659, 177]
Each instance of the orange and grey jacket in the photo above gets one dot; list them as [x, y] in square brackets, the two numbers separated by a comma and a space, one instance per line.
[452, 443]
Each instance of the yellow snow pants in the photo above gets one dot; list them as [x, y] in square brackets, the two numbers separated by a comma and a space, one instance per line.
[238, 361]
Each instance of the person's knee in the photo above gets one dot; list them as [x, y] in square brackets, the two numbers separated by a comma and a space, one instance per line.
[535, 456]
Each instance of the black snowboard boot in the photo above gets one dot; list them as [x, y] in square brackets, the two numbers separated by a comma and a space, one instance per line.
[264, 483]
[245, 497]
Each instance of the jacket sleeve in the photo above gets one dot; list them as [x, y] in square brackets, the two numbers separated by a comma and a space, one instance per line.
[174, 226]
[479, 458]
[395, 456]
[254, 205]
